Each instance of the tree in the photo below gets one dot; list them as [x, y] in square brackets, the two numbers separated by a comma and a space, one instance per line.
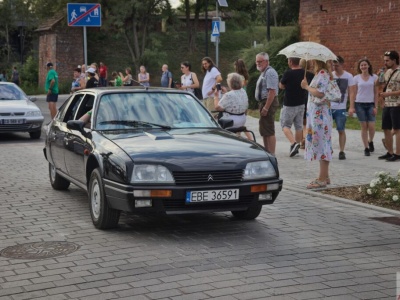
[133, 20]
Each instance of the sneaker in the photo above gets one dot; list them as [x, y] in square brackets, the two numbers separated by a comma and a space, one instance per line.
[371, 146]
[386, 156]
[367, 152]
[394, 157]
[384, 143]
[342, 155]
[294, 149]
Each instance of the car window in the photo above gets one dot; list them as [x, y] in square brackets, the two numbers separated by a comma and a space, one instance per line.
[11, 92]
[69, 111]
[176, 110]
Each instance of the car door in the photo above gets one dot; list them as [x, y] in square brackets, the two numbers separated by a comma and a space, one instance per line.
[77, 145]
[59, 130]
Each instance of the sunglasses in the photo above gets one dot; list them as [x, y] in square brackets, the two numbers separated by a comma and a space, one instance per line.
[388, 52]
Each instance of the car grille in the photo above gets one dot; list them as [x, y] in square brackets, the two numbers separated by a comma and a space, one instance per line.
[15, 127]
[209, 177]
[172, 204]
[12, 114]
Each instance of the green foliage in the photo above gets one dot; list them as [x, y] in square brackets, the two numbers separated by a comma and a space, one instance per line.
[383, 186]
[29, 74]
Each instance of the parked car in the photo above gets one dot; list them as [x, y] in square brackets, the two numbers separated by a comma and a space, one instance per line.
[152, 150]
[18, 113]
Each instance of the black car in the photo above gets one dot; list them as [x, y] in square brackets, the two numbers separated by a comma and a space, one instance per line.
[155, 151]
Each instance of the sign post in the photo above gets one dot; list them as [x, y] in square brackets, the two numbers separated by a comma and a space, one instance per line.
[215, 34]
[83, 15]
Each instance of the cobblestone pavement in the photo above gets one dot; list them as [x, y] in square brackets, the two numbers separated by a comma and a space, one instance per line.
[302, 247]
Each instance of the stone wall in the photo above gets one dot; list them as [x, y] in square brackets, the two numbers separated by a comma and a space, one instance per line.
[353, 29]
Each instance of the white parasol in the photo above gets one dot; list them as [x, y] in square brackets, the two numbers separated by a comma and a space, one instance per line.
[308, 51]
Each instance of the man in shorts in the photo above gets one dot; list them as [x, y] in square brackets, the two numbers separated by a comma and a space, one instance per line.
[51, 88]
[346, 84]
[267, 95]
[293, 103]
[391, 110]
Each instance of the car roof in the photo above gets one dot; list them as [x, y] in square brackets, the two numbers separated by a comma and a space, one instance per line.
[125, 89]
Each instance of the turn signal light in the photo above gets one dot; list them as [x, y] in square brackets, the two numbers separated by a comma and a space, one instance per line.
[160, 193]
[258, 188]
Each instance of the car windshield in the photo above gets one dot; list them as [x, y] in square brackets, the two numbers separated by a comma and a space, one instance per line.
[151, 110]
[11, 92]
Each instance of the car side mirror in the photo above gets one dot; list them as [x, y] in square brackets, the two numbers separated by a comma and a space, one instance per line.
[32, 99]
[79, 126]
[225, 123]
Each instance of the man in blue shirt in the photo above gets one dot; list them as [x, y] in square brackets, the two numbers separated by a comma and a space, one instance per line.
[166, 77]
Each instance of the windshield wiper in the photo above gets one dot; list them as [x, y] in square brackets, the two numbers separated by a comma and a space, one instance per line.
[134, 123]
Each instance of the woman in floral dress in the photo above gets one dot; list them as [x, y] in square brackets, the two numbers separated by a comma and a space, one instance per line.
[319, 123]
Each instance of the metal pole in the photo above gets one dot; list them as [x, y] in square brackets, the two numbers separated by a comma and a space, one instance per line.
[216, 38]
[85, 46]
[206, 24]
[268, 20]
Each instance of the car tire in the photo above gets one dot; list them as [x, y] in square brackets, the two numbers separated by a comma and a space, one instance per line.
[35, 135]
[57, 182]
[250, 214]
[103, 216]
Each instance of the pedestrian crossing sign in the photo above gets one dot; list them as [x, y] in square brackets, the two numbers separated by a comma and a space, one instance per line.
[215, 28]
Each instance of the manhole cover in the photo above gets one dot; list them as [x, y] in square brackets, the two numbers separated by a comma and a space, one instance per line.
[390, 220]
[39, 250]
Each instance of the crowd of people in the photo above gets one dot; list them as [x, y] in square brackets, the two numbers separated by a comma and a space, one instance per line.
[305, 105]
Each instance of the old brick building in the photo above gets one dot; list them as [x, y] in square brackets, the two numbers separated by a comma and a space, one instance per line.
[352, 28]
[62, 45]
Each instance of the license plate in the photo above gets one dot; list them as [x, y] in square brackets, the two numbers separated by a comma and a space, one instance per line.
[13, 121]
[211, 195]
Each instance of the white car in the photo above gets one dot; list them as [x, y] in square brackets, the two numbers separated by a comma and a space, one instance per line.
[18, 113]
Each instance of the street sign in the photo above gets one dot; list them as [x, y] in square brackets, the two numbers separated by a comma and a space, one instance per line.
[215, 28]
[223, 3]
[84, 14]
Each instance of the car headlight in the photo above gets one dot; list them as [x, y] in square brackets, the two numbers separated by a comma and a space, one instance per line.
[33, 113]
[259, 170]
[151, 174]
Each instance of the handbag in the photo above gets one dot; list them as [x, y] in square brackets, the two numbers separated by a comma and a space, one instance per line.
[333, 93]
[197, 91]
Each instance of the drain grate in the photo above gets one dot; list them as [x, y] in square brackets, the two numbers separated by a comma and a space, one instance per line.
[39, 250]
[390, 220]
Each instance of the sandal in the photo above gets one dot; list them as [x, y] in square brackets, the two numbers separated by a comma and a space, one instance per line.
[328, 180]
[315, 184]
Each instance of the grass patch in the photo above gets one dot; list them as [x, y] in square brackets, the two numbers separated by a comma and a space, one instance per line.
[351, 123]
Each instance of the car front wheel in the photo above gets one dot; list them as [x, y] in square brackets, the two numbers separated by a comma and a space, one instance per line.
[250, 214]
[35, 134]
[57, 182]
[103, 216]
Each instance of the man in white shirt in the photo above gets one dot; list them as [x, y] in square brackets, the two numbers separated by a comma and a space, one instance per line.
[346, 84]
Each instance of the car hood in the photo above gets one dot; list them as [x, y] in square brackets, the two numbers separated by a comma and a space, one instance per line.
[188, 148]
[17, 105]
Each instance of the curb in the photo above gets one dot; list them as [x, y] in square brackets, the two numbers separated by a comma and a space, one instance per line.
[344, 201]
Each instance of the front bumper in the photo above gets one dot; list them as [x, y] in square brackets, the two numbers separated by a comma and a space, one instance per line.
[121, 197]
[28, 125]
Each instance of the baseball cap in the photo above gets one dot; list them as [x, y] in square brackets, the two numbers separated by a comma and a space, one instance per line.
[49, 64]
[91, 70]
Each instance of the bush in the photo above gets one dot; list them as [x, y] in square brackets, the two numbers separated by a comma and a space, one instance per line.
[383, 186]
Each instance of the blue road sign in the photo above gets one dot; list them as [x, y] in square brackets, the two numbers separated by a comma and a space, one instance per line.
[84, 14]
[215, 28]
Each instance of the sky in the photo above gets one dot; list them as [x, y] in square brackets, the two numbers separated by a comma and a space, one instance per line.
[174, 3]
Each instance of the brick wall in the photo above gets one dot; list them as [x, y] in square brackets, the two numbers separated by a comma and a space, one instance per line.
[353, 29]
[63, 46]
